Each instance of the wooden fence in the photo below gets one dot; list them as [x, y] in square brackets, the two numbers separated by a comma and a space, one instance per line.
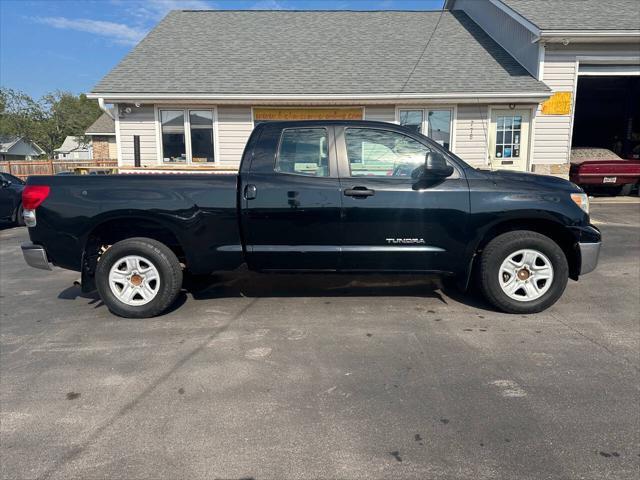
[25, 168]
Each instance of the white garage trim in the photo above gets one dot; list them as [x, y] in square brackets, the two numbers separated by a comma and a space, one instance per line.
[608, 70]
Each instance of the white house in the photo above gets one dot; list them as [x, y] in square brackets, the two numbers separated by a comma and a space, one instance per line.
[73, 148]
[496, 88]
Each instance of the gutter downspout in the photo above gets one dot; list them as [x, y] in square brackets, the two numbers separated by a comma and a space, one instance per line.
[104, 108]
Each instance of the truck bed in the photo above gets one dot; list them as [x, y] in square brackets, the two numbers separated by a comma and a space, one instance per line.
[200, 210]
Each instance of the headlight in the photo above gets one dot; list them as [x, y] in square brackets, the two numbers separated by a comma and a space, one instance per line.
[582, 200]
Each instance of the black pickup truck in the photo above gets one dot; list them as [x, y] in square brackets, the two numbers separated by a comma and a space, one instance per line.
[316, 196]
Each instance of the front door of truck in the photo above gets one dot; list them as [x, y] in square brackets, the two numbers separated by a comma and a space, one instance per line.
[392, 222]
[291, 201]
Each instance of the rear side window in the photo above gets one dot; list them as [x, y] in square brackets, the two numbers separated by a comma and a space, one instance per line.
[303, 151]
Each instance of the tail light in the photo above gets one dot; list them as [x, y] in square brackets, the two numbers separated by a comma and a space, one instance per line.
[32, 196]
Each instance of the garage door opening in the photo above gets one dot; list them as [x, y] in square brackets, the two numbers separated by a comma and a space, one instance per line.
[607, 114]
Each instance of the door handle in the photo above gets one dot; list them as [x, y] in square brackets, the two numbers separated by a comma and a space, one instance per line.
[359, 192]
[250, 192]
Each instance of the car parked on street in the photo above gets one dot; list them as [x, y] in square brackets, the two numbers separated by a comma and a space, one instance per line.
[326, 196]
[598, 170]
[11, 198]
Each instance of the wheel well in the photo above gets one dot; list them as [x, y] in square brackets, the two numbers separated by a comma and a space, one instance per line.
[556, 232]
[113, 231]
[16, 212]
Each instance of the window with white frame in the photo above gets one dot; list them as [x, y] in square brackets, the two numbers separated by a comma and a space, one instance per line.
[434, 123]
[187, 135]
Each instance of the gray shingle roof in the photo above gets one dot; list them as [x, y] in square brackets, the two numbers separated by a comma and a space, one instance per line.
[579, 14]
[104, 124]
[8, 142]
[317, 52]
[72, 143]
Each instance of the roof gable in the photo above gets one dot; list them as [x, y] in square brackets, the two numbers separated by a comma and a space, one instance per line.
[72, 144]
[104, 125]
[14, 145]
[317, 52]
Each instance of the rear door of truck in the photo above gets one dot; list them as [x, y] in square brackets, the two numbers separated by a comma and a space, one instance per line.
[290, 199]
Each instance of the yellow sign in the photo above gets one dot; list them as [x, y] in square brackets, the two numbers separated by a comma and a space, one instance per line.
[262, 114]
[558, 104]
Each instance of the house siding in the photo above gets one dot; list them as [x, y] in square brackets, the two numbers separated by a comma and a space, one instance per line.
[235, 124]
[113, 148]
[471, 130]
[386, 113]
[141, 122]
[552, 133]
[511, 35]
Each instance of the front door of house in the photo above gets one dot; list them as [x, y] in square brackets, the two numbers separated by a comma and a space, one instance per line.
[509, 139]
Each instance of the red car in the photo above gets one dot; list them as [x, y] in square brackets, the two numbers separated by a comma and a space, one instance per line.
[599, 169]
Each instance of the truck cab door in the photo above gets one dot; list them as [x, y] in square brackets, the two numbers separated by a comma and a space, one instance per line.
[291, 201]
[392, 221]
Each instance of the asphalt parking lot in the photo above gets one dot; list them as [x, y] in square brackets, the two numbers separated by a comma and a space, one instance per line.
[351, 377]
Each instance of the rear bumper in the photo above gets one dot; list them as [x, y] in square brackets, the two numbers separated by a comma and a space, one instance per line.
[589, 254]
[598, 181]
[35, 256]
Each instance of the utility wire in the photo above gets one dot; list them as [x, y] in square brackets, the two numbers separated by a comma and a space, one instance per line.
[424, 50]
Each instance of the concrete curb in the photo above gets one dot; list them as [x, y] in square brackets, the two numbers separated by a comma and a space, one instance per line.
[605, 200]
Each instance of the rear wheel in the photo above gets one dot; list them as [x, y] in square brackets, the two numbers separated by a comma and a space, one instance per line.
[523, 272]
[138, 278]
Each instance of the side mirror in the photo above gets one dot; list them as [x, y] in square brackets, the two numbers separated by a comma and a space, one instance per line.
[435, 167]
[6, 183]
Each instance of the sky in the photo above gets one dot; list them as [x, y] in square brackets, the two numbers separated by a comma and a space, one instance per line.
[49, 45]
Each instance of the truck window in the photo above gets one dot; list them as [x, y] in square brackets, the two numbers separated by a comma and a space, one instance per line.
[303, 151]
[375, 152]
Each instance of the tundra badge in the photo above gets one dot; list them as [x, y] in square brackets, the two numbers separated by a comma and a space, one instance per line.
[406, 241]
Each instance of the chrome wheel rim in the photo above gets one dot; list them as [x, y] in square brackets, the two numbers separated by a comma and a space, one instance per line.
[525, 275]
[134, 280]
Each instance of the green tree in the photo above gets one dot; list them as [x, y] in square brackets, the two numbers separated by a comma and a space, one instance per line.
[19, 114]
[48, 121]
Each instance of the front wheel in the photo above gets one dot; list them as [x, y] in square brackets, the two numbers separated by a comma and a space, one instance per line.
[523, 272]
[138, 278]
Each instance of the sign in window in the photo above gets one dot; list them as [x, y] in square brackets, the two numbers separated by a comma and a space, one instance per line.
[508, 134]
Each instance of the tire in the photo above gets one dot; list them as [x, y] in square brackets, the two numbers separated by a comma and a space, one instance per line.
[625, 190]
[18, 219]
[138, 278]
[504, 267]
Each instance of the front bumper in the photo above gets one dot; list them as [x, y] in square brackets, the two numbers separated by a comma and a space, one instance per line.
[589, 253]
[35, 256]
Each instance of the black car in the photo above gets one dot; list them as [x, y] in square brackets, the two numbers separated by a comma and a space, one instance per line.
[11, 198]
